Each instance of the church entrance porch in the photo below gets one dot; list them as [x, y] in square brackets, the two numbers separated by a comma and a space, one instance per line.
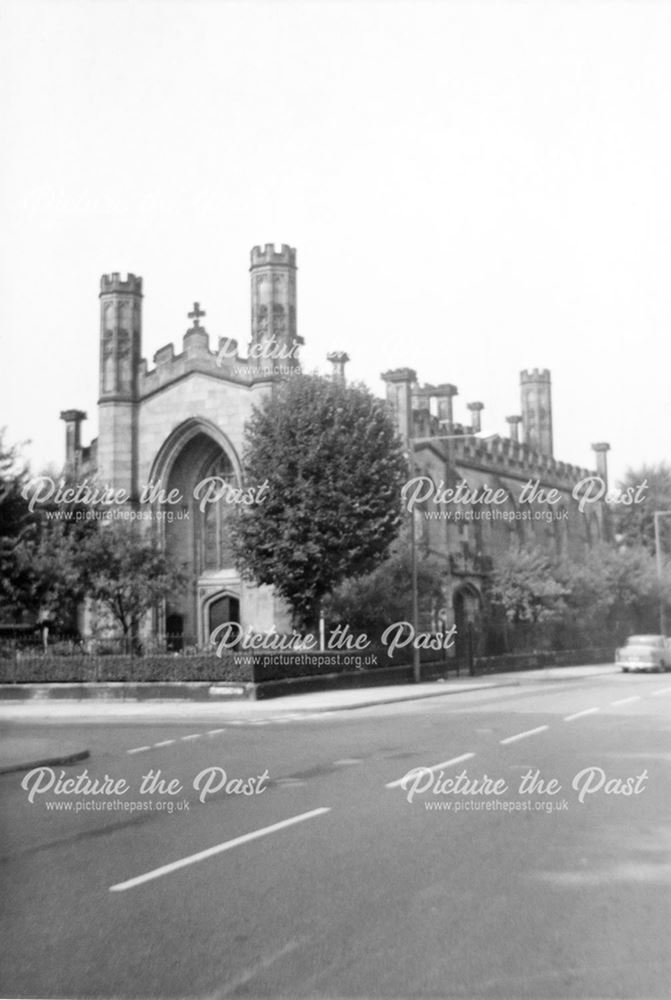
[218, 603]
[199, 540]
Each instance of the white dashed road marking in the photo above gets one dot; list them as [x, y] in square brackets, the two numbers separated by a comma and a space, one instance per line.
[164, 743]
[138, 749]
[192, 736]
[435, 767]
[522, 736]
[579, 715]
[662, 691]
[217, 849]
[626, 701]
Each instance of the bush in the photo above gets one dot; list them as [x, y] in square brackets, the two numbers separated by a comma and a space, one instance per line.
[49, 669]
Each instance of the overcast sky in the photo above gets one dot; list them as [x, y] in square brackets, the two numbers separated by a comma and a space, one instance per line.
[472, 188]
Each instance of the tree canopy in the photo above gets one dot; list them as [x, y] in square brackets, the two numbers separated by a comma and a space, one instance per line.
[334, 466]
[597, 599]
[16, 523]
[524, 585]
[370, 603]
[634, 524]
[124, 569]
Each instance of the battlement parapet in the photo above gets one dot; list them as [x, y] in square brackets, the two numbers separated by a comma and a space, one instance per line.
[399, 375]
[535, 375]
[114, 284]
[268, 255]
[165, 355]
[505, 456]
[444, 391]
[197, 357]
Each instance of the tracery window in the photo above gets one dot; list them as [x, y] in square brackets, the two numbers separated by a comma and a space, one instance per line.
[215, 547]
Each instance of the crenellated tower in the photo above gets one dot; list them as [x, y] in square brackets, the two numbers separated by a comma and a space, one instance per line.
[536, 398]
[273, 280]
[120, 351]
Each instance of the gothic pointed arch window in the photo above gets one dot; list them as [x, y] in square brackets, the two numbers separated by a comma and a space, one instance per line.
[215, 549]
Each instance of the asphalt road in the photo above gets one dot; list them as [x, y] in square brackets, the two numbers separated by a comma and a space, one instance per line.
[333, 879]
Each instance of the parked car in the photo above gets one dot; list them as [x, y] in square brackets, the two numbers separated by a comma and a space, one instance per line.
[644, 652]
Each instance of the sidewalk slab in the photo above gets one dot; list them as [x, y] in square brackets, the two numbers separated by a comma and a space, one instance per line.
[23, 753]
[298, 704]
[309, 703]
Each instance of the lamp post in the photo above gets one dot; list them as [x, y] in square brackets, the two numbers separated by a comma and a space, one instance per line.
[658, 557]
[416, 668]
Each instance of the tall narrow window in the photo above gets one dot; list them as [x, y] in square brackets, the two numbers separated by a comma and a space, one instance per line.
[215, 548]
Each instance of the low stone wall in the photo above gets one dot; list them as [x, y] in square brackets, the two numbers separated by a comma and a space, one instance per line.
[259, 675]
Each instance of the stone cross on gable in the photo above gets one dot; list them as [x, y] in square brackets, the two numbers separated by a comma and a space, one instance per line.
[196, 314]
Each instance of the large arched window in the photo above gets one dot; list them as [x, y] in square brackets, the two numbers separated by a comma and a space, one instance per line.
[215, 550]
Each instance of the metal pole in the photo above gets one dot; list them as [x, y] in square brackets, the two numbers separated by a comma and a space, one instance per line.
[416, 668]
[658, 557]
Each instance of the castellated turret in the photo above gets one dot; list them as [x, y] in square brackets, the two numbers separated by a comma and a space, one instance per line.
[120, 334]
[273, 280]
[536, 398]
[120, 351]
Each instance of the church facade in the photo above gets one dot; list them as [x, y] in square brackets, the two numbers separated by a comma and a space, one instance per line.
[475, 496]
[180, 422]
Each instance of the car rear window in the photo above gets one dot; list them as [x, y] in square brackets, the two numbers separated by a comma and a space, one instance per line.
[645, 640]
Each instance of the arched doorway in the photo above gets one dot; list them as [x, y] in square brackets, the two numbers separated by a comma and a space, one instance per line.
[467, 606]
[221, 609]
[196, 531]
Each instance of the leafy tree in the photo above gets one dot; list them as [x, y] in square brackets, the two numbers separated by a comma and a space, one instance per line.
[371, 602]
[614, 592]
[334, 467]
[525, 585]
[634, 523]
[46, 576]
[127, 573]
[16, 523]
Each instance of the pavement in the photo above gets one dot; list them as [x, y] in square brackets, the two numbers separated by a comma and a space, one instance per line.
[303, 854]
[20, 752]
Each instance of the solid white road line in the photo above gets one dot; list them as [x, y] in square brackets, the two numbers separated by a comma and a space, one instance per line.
[521, 736]
[138, 749]
[579, 715]
[626, 701]
[217, 849]
[435, 767]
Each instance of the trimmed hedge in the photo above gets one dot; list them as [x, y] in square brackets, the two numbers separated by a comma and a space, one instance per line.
[262, 668]
[81, 669]
[280, 666]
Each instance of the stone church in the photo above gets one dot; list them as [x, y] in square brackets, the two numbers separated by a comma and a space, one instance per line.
[183, 419]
